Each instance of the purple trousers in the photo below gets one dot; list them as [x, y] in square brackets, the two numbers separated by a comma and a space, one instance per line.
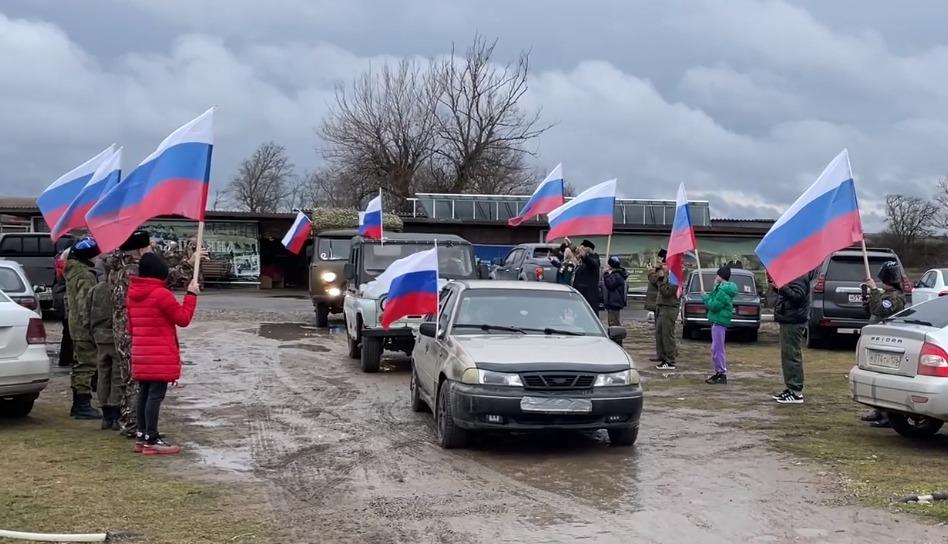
[718, 356]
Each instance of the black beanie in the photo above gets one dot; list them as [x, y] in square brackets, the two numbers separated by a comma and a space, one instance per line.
[725, 273]
[587, 243]
[139, 239]
[152, 266]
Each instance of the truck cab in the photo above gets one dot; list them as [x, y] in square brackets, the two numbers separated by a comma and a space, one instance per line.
[327, 282]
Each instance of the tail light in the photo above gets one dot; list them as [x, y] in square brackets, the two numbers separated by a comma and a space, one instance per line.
[36, 332]
[27, 302]
[538, 273]
[933, 361]
[748, 310]
[907, 285]
[820, 284]
[695, 309]
[943, 294]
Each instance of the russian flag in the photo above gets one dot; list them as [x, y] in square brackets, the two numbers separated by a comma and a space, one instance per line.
[548, 196]
[55, 200]
[370, 221]
[106, 176]
[173, 180]
[414, 286]
[823, 220]
[590, 213]
[296, 237]
[682, 239]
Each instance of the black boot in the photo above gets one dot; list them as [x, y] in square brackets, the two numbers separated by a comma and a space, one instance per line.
[108, 416]
[72, 411]
[84, 409]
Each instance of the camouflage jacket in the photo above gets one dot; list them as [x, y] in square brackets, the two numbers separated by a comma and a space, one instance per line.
[885, 303]
[80, 279]
[667, 293]
[100, 313]
[120, 267]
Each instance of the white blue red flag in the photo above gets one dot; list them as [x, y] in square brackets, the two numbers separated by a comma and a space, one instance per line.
[173, 180]
[682, 239]
[548, 196]
[299, 232]
[370, 221]
[106, 176]
[55, 200]
[590, 213]
[414, 286]
[823, 220]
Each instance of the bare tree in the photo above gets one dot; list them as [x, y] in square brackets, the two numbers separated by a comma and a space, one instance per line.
[381, 132]
[483, 134]
[941, 197]
[261, 184]
[909, 220]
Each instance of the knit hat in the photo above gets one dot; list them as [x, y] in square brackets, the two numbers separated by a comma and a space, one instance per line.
[85, 249]
[587, 243]
[615, 262]
[662, 253]
[139, 239]
[152, 266]
[725, 273]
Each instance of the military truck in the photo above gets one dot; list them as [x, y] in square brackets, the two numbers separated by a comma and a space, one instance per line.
[365, 297]
[327, 282]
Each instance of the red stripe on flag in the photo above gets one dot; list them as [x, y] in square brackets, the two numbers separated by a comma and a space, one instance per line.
[417, 303]
[810, 252]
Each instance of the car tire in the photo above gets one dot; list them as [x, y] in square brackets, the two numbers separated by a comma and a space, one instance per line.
[916, 427]
[417, 405]
[687, 333]
[371, 353]
[17, 407]
[450, 436]
[752, 335]
[815, 339]
[623, 437]
[322, 315]
[355, 350]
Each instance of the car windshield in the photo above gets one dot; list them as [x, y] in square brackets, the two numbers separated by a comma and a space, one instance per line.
[453, 261]
[853, 268]
[333, 249]
[516, 311]
[933, 313]
[745, 284]
[10, 281]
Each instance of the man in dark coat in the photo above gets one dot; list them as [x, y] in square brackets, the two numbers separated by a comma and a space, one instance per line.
[616, 291]
[791, 312]
[586, 277]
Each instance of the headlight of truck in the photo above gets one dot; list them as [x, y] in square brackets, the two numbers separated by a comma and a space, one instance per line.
[328, 276]
[333, 292]
[626, 377]
[488, 377]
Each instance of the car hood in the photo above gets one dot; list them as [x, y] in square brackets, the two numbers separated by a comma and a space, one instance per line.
[539, 352]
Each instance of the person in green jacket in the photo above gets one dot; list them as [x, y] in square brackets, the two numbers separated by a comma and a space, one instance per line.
[80, 279]
[720, 305]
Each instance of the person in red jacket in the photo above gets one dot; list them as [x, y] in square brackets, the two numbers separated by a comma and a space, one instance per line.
[153, 315]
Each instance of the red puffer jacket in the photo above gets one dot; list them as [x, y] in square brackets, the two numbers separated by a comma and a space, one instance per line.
[153, 313]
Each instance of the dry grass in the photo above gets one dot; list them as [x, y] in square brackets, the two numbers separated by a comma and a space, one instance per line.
[875, 466]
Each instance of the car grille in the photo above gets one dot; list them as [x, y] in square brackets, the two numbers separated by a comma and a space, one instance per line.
[558, 380]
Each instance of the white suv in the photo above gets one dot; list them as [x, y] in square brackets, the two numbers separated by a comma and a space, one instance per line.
[24, 364]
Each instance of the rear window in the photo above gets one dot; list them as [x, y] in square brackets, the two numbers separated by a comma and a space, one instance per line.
[32, 246]
[933, 313]
[853, 268]
[539, 252]
[745, 284]
[10, 281]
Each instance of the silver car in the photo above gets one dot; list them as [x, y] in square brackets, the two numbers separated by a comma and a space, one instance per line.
[902, 368]
[14, 283]
[519, 356]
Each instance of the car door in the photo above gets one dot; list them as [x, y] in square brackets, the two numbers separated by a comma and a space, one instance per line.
[428, 351]
[925, 288]
[507, 270]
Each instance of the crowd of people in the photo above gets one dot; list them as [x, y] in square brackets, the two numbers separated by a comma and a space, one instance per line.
[120, 337]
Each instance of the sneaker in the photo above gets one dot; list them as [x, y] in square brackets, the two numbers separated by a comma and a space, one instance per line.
[139, 443]
[780, 395]
[718, 378]
[160, 447]
[790, 397]
[666, 365]
[874, 415]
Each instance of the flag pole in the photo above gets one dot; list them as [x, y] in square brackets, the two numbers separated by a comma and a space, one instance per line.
[700, 276]
[609, 247]
[865, 252]
[381, 219]
[199, 241]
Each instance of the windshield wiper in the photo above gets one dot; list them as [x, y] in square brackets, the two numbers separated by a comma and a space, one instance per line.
[914, 322]
[549, 331]
[486, 327]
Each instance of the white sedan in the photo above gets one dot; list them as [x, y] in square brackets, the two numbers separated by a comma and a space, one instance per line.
[932, 285]
[24, 364]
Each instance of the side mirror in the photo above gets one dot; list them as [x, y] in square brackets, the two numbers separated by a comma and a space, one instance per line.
[918, 284]
[483, 271]
[498, 261]
[617, 334]
[428, 329]
[348, 271]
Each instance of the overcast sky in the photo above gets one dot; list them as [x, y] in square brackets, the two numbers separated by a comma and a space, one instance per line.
[745, 100]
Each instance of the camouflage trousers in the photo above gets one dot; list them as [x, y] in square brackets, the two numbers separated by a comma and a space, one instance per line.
[110, 386]
[129, 398]
[83, 367]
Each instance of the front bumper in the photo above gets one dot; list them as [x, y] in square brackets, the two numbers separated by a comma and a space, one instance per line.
[393, 332]
[920, 395]
[736, 322]
[612, 408]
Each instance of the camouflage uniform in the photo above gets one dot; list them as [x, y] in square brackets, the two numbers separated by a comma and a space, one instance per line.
[884, 303]
[120, 267]
[665, 320]
[80, 278]
[110, 387]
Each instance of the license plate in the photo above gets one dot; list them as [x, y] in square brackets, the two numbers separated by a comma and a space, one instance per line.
[855, 298]
[556, 405]
[43, 295]
[848, 331]
[884, 359]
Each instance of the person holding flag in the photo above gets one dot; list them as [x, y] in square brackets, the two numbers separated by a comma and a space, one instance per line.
[370, 221]
[823, 220]
[299, 232]
[549, 195]
[671, 281]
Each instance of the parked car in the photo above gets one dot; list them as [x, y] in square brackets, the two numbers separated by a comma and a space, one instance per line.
[932, 285]
[24, 364]
[836, 305]
[14, 283]
[526, 262]
[517, 356]
[365, 298]
[902, 368]
[327, 282]
[746, 319]
[35, 251]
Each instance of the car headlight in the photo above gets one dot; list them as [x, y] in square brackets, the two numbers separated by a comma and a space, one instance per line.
[489, 377]
[625, 377]
[333, 292]
[328, 276]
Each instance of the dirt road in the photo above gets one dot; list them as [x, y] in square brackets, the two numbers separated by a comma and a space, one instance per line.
[268, 398]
